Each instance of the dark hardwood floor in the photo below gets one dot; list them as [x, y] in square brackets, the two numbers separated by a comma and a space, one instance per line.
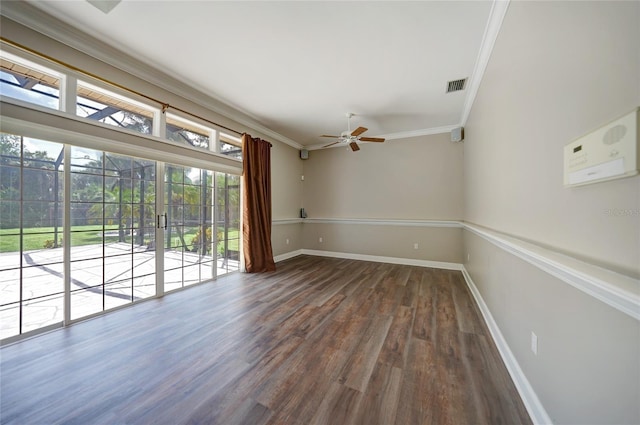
[319, 341]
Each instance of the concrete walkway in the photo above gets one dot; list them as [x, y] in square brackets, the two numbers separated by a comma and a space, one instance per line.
[102, 277]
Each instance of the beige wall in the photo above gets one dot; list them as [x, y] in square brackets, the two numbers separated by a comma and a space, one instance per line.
[411, 179]
[286, 198]
[286, 170]
[558, 71]
[280, 233]
[417, 178]
[442, 244]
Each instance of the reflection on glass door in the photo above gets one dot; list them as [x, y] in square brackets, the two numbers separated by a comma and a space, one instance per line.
[112, 230]
[31, 257]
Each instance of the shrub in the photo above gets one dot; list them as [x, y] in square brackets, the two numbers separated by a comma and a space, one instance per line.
[50, 243]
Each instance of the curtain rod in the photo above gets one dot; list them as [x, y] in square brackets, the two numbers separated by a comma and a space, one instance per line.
[164, 105]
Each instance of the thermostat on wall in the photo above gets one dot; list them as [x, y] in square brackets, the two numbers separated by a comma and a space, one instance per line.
[610, 152]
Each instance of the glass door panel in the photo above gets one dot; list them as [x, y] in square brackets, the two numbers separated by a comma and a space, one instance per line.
[228, 222]
[189, 252]
[31, 258]
[112, 230]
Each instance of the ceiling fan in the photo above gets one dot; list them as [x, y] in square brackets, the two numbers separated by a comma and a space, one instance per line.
[352, 138]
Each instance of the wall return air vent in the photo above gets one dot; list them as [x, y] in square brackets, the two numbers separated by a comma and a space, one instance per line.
[456, 85]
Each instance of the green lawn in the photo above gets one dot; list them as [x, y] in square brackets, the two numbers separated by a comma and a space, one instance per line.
[189, 235]
[36, 238]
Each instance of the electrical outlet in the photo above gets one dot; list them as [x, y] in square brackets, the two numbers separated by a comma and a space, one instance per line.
[534, 343]
[468, 256]
[320, 239]
[287, 241]
[415, 246]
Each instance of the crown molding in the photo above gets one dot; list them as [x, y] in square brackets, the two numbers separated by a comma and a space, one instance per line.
[417, 133]
[491, 31]
[46, 24]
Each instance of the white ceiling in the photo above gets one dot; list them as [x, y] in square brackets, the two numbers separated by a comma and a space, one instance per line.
[297, 67]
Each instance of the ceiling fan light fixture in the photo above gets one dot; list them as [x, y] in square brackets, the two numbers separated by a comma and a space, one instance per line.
[351, 138]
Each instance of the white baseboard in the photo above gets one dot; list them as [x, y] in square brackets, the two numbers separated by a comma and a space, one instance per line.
[287, 255]
[373, 258]
[531, 401]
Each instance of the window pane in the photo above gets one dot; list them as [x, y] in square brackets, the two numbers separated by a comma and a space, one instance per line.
[42, 312]
[173, 276]
[10, 216]
[10, 149]
[10, 286]
[117, 294]
[40, 185]
[86, 161]
[144, 286]
[28, 81]
[9, 183]
[230, 146]
[118, 269]
[118, 165]
[9, 320]
[186, 132]
[106, 107]
[40, 215]
[85, 302]
[42, 154]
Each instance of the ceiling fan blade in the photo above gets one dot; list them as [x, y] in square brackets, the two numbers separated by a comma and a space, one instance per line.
[334, 137]
[358, 131]
[371, 139]
[331, 144]
[354, 146]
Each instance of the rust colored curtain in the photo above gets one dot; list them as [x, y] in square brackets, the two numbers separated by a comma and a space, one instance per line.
[256, 212]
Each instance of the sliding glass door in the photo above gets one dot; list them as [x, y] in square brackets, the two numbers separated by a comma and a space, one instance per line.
[93, 225]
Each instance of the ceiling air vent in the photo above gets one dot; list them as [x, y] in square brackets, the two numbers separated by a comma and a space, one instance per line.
[456, 85]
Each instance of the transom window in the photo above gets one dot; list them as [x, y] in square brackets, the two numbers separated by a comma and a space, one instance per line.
[110, 108]
[187, 132]
[230, 146]
[30, 82]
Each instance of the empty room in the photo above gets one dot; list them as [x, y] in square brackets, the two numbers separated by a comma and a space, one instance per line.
[319, 212]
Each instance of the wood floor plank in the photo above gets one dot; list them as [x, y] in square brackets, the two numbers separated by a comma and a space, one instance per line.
[424, 324]
[380, 401]
[419, 391]
[357, 371]
[339, 406]
[394, 350]
[320, 340]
